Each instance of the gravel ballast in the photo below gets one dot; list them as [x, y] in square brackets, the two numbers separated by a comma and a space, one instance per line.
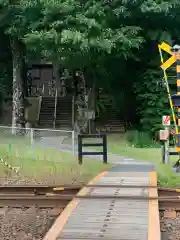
[25, 224]
[30, 223]
[170, 225]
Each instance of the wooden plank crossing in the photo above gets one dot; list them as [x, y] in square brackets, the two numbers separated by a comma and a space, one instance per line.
[112, 219]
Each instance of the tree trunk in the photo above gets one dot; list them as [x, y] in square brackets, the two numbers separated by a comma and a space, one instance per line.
[18, 120]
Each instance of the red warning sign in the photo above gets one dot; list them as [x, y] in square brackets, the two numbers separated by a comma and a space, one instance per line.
[166, 121]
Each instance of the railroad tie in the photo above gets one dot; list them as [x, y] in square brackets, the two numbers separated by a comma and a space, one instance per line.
[14, 169]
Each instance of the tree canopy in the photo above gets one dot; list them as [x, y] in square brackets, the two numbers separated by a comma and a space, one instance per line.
[116, 40]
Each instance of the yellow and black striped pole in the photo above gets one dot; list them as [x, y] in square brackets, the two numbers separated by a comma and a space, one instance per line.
[178, 86]
[176, 51]
[178, 93]
[168, 90]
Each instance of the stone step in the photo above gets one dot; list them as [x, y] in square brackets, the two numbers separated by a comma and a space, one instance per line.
[46, 116]
[63, 111]
[63, 114]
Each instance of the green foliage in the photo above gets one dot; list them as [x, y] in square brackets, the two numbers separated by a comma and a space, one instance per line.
[167, 178]
[18, 17]
[115, 40]
[152, 100]
[81, 33]
[142, 140]
[100, 108]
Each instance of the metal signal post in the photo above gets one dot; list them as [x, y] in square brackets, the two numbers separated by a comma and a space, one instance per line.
[176, 98]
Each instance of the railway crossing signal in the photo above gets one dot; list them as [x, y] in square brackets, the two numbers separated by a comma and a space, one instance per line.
[166, 120]
[175, 99]
[167, 48]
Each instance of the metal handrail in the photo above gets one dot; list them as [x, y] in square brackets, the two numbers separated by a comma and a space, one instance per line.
[73, 111]
[43, 89]
[55, 108]
[90, 98]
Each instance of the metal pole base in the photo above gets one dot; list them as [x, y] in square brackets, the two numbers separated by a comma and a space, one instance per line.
[177, 166]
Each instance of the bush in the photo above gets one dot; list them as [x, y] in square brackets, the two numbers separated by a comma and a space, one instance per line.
[152, 101]
[142, 140]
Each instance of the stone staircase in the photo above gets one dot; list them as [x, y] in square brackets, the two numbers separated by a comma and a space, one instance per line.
[109, 121]
[64, 113]
[46, 117]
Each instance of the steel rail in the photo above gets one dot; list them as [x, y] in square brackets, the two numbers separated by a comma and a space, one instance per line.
[60, 200]
[56, 187]
[71, 196]
[45, 189]
[167, 198]
[74, 187]
[39, 190]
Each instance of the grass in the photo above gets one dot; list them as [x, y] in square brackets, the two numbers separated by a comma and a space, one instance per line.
[48, 165]
[117, 144]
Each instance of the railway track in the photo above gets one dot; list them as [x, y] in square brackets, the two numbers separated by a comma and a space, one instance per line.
[38, 189]
[36, 195]
[174, 199]
[59, 196]
[55, 198]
